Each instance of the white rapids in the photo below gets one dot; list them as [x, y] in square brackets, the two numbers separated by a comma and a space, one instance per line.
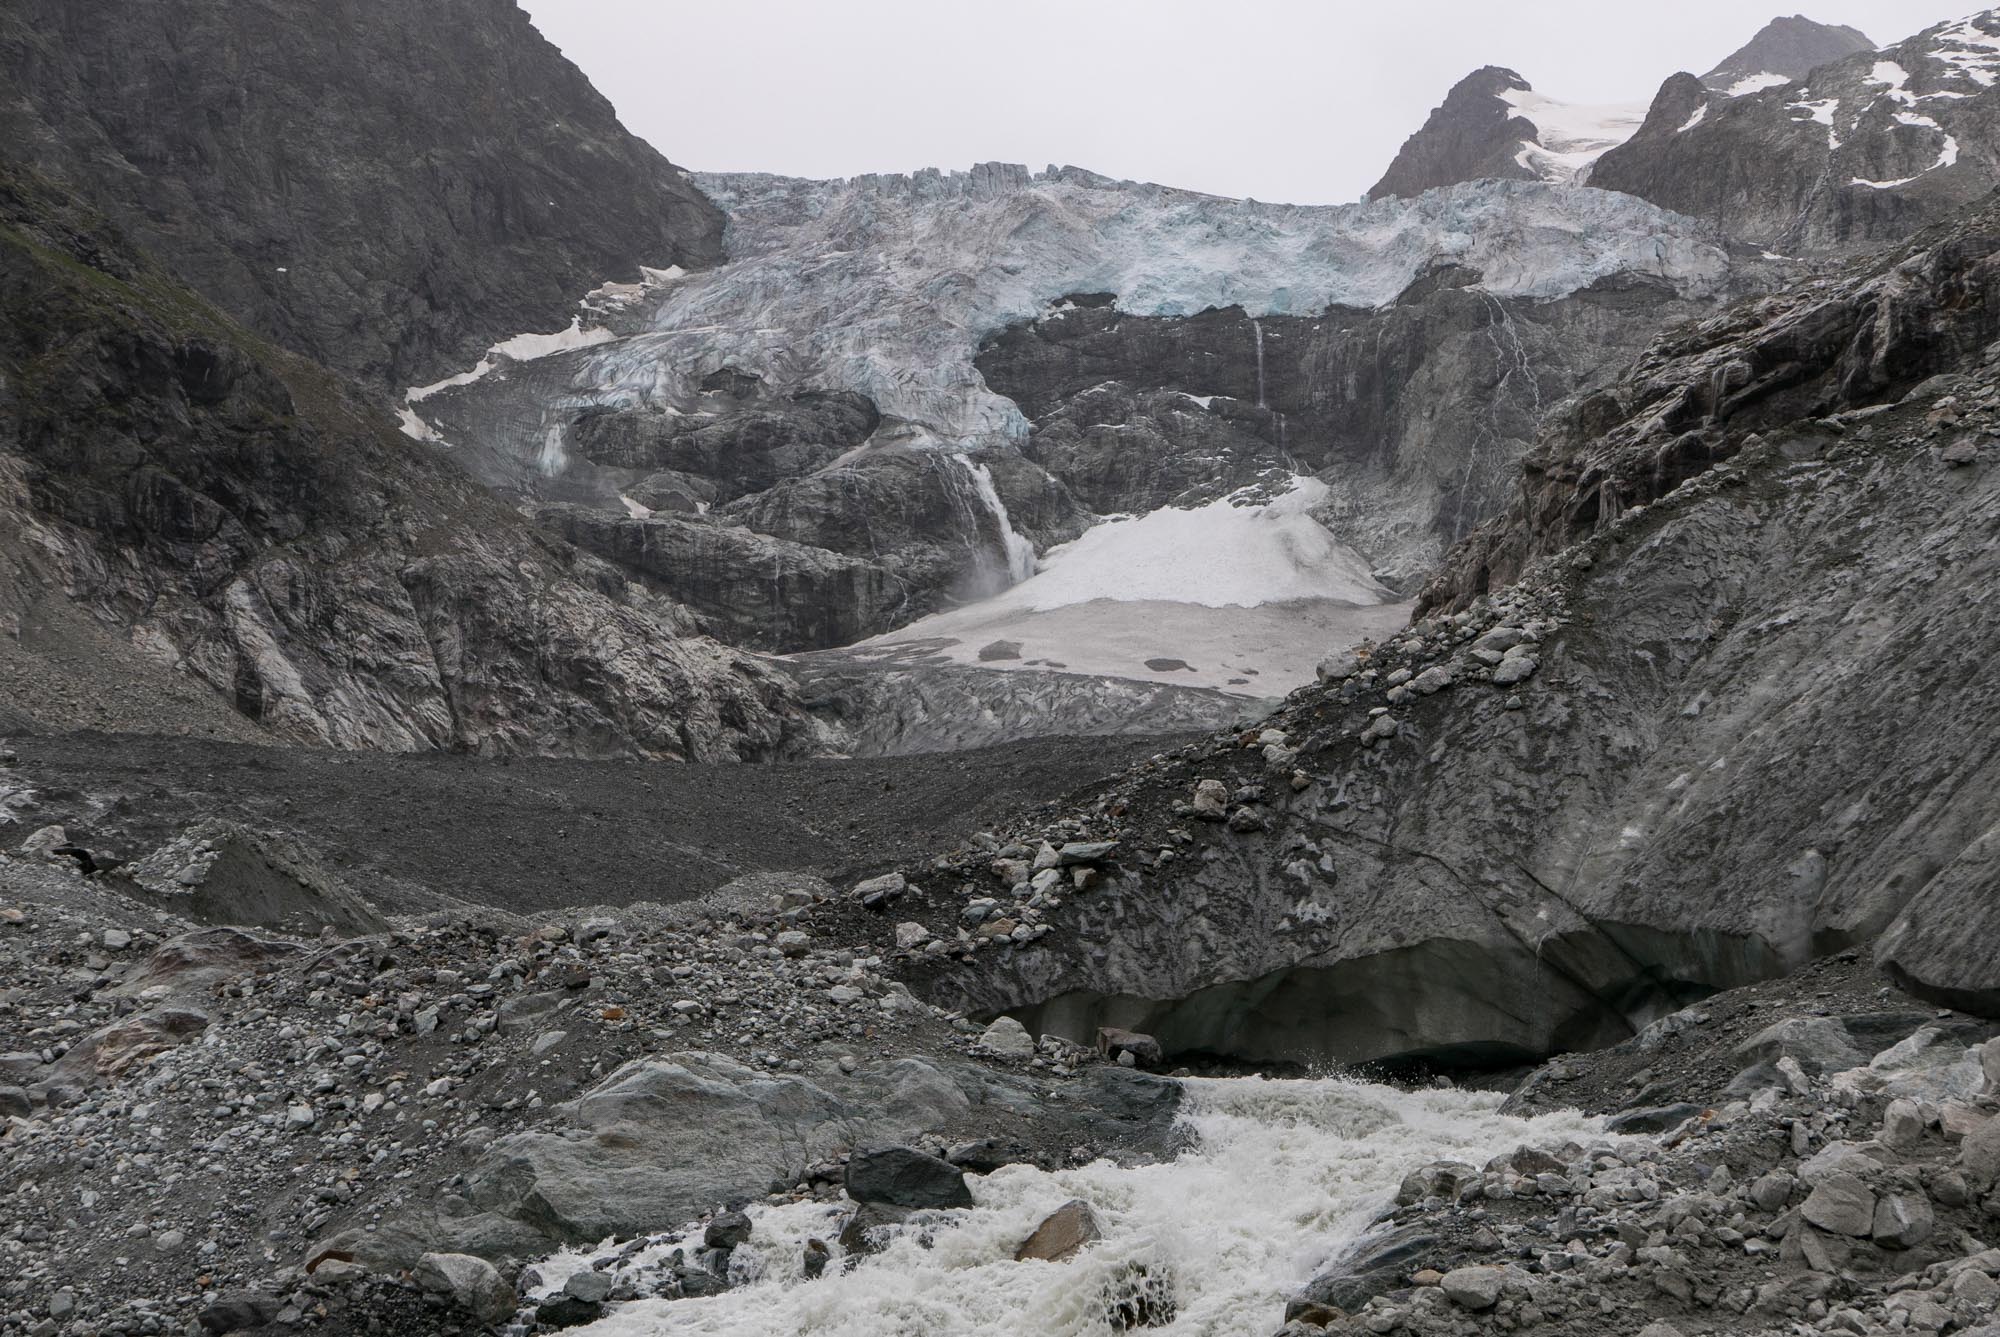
[1280, 1177]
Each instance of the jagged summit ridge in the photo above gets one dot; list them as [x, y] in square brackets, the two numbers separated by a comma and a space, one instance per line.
[1494, 125]
[1866, 149]
[1784, 49]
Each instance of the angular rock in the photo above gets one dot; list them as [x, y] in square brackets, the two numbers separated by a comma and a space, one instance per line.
[470, 1283]
[905, 1177]
[1842, 1204]
[1007, 1038]
[1903, 1220]
[1475, 1288]
[1061, 1235]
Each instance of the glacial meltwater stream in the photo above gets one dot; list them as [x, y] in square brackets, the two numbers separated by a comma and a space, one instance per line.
[1279, 1177]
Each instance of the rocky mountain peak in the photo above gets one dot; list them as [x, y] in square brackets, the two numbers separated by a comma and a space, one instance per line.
[1473, 133]
[1785, 49]
[1866, 149]
[1493, 124]
[391, 189]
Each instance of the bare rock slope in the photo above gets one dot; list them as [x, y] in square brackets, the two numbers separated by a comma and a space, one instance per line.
[387, 188]
[225, 513]
[1734, 719]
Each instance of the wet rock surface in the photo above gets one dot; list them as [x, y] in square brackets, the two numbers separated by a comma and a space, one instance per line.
[1785, 1207]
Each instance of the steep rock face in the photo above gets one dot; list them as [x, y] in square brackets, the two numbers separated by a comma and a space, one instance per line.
[840, 553]
[233, 514]
[1414, 413]
[1474, 133]
[386, 188]
[1786, 48]
[886, 286]
[738, 452]
[1494, 125]
[1706, 390]
[1743, 725]
[1867, 149]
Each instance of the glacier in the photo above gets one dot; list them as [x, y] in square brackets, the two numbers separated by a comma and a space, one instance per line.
[886, 284]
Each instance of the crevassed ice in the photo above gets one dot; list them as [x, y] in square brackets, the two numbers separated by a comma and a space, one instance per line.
[887, 285]
[1283, 1176]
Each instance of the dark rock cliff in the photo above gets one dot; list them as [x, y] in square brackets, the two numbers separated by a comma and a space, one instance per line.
[1415, 413]
[387, 188]
[1472, 134]
[233, 515]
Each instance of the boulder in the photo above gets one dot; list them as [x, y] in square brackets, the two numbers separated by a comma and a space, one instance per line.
[1842, 1204]
[1656, 1119]
[470, 1283]
[233, 1311]
[1903, 1220]
[1979, 1156]
[1474, 1288]
[1007, 1038]
[1377, 1264]
[1902, 1126]
[905, 1177]
[876, 892]
[219, 872]
[663, 1138]
[115, 1049]
[1819, 1044]
[1062, 1234]
[1112, 1042]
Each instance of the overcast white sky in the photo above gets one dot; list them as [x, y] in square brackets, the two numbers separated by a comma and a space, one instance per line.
[1302, 101]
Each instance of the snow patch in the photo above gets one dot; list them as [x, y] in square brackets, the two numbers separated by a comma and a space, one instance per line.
[1755, 83]
[1700, 115]
[1233, 552]
[529, 347]
[1822, 112]
[415, 427]
[520, 348]
[1894, 79]
[1243, 594]
[1571, 136]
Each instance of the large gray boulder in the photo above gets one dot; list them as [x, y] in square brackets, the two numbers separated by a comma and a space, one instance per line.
[662, 1139]
[905, 1177]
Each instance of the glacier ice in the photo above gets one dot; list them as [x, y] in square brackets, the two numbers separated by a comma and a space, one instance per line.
[886, 284]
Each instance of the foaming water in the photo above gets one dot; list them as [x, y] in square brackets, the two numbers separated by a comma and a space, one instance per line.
[1280, 1176]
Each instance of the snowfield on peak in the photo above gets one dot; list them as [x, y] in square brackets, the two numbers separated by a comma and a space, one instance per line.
[1570, 136]
[886, 285]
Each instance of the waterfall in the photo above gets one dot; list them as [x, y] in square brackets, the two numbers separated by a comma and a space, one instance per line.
[1018, 550]
[1257, 334]
[1281, 1176]
[554, 456]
